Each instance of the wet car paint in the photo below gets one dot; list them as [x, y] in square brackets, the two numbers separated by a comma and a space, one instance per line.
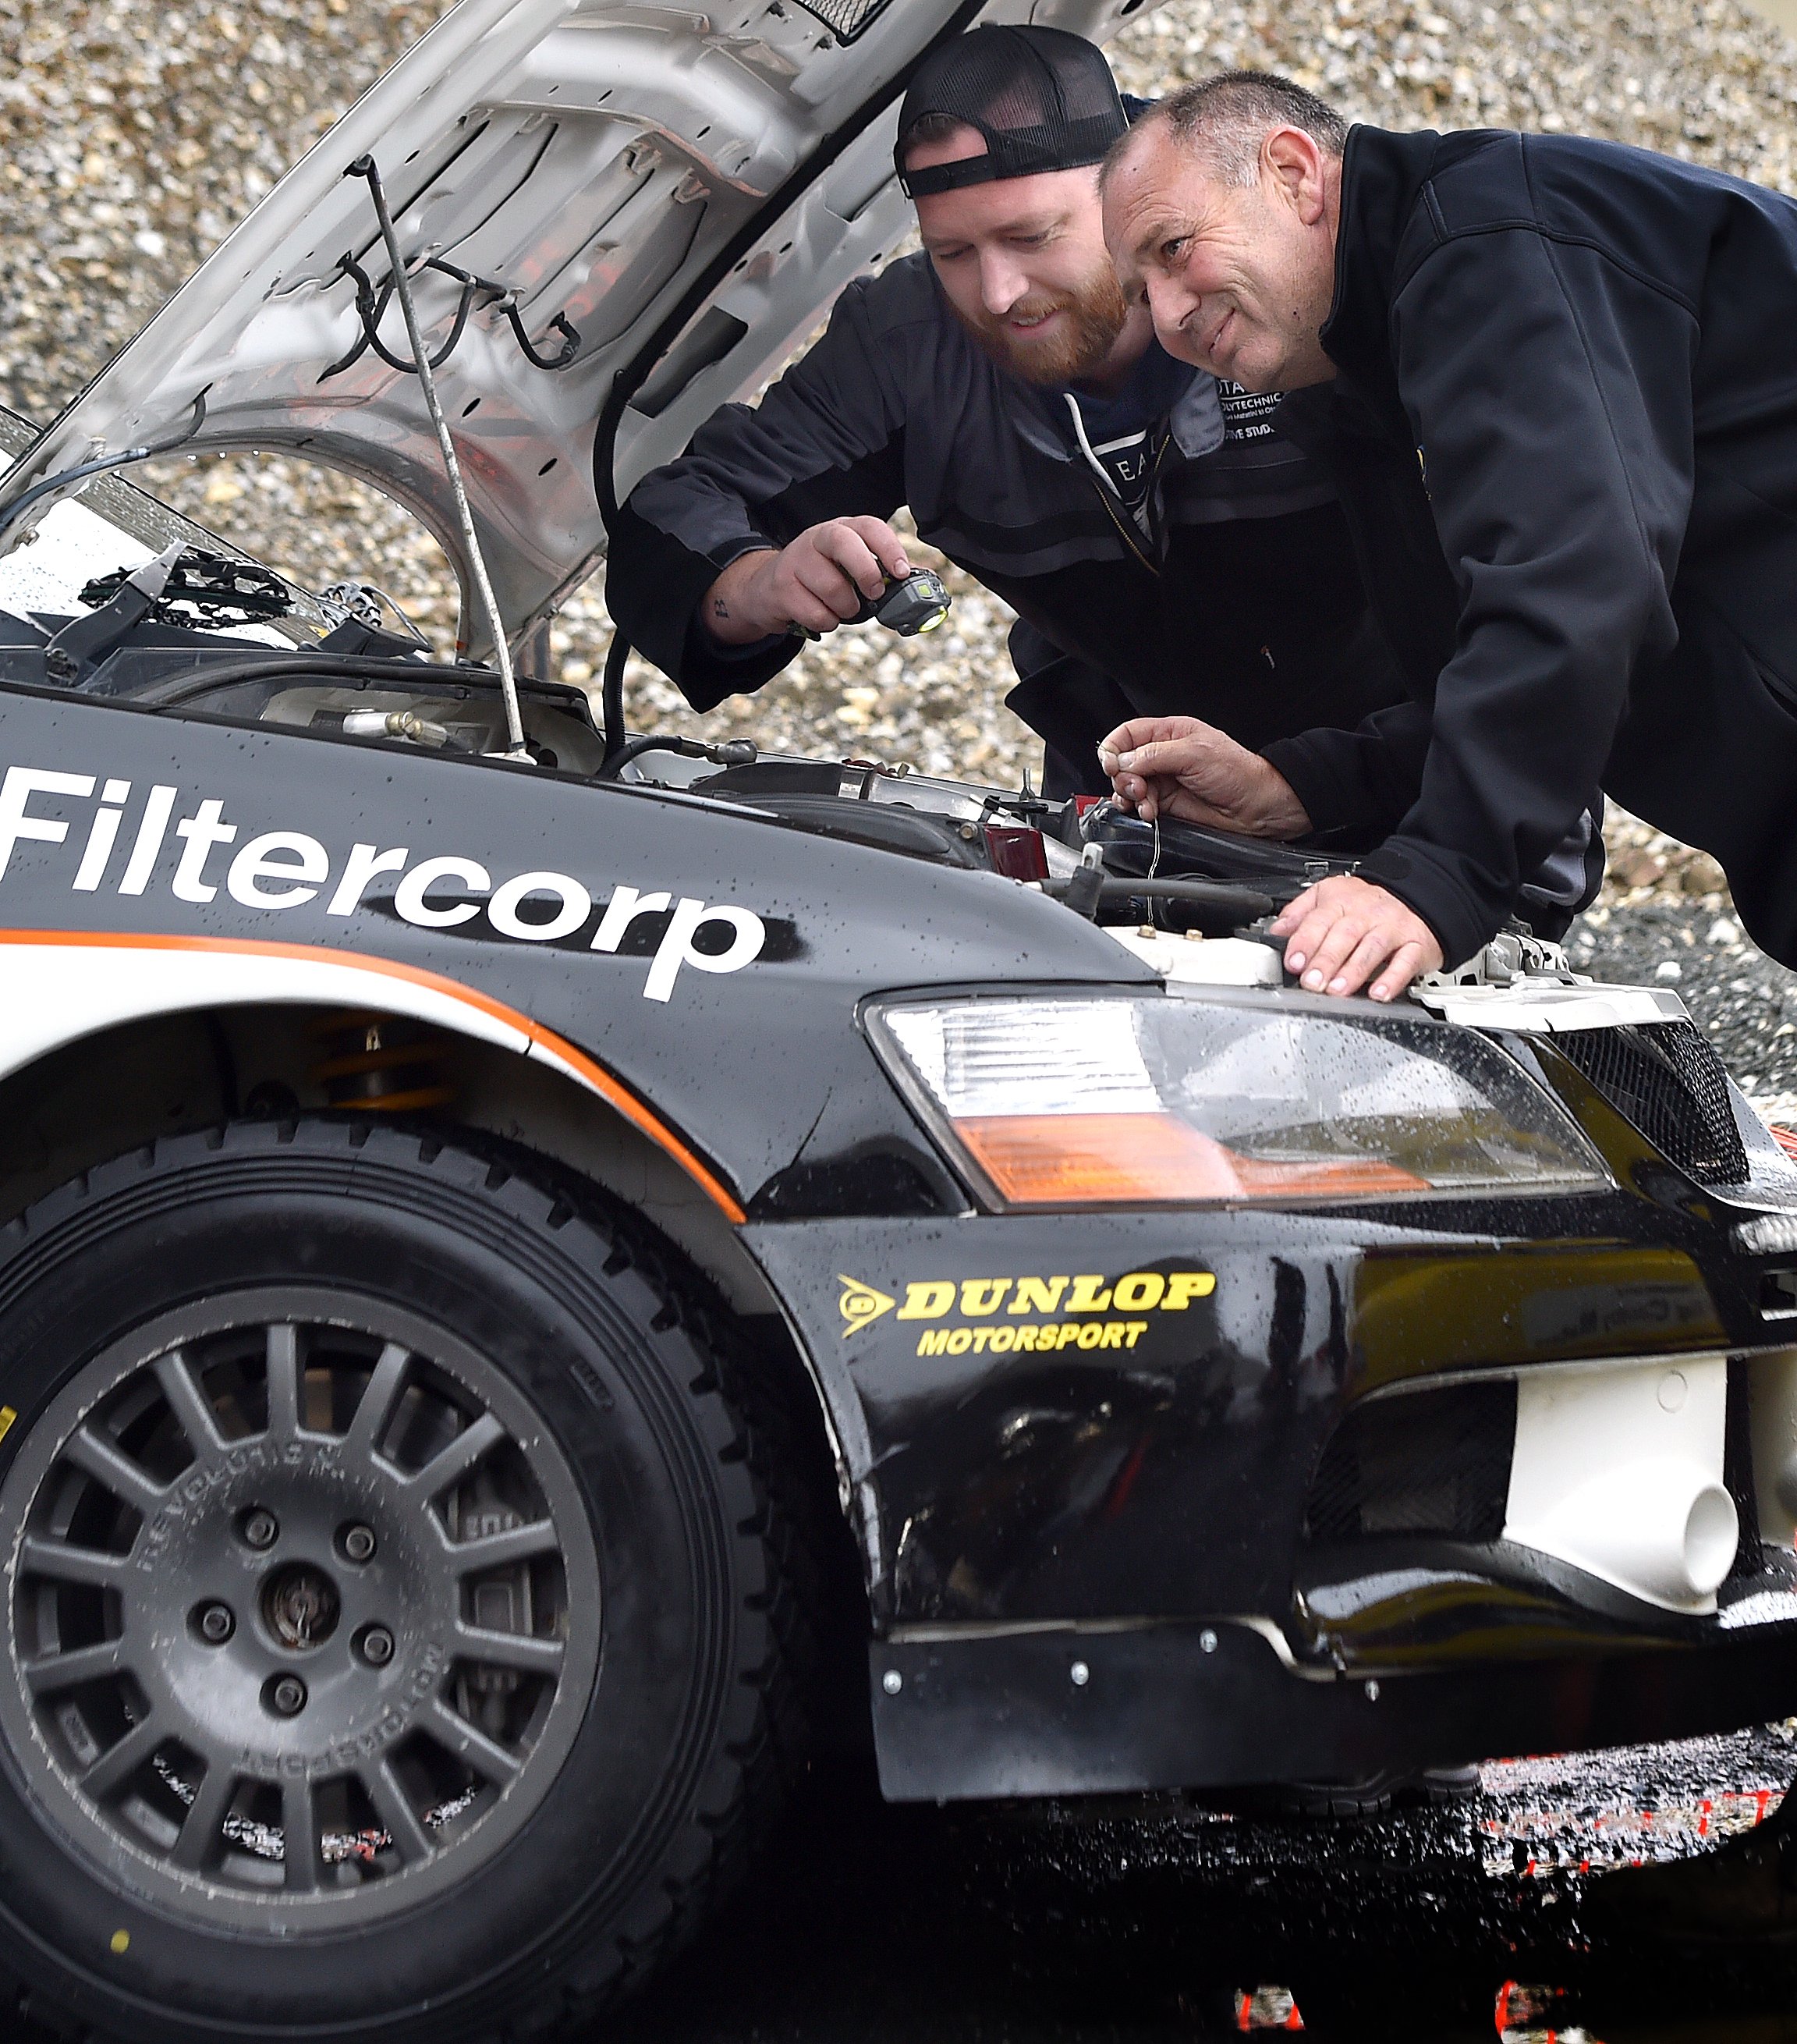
[1209, 1419]
[1141, 1465]
[761, 1066]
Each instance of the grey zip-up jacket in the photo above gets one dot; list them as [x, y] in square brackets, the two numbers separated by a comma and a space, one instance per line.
[1242, 605]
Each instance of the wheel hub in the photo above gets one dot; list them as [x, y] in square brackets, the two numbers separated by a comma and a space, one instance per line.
[301, 1607]
[296, 1609]
[305, 1605]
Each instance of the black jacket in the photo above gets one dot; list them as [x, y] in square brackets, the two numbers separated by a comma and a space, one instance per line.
[1564, 433]
[1245, 608]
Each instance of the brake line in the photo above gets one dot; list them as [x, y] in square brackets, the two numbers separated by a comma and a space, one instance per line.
[365, 167]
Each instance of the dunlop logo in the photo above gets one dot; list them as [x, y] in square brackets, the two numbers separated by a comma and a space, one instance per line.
[861, 1305]
[1087, 1310]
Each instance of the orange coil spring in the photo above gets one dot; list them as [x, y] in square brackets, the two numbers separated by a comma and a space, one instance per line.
[380, 1064]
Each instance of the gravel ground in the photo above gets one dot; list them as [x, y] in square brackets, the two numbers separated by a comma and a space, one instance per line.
[134, 138]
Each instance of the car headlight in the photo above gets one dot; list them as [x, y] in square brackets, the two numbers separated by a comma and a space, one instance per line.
[1073, 1100]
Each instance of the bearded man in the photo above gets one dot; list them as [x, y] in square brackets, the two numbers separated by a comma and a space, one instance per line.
[1552, 378]
[1166, 550]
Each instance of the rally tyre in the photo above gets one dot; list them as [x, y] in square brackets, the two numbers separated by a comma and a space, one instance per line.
[398, 1639]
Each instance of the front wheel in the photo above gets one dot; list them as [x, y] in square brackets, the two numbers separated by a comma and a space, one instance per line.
[394, 1635]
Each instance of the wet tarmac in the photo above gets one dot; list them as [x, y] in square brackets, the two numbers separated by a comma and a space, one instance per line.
[1647, 1895]
[1644, 1895]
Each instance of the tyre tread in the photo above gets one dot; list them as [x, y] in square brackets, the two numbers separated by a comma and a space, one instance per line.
[752, 1433]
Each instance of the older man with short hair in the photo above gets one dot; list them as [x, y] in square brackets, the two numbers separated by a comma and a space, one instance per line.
[1555, 380]
[1165, 549]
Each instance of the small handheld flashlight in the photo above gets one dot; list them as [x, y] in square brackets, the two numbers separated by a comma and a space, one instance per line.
[917, 603]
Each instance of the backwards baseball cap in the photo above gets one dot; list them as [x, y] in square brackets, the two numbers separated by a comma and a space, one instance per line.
[1044, 100]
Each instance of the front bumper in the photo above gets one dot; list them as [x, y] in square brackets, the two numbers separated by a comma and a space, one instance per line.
[1139, 1478]
[1088, 1710]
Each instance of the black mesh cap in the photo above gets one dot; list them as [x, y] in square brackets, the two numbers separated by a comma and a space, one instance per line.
[1044, 100]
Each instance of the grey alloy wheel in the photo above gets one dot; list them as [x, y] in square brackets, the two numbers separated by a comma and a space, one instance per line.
[304, 1614]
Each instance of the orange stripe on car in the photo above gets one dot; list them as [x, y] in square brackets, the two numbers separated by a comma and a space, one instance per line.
[594, 1075]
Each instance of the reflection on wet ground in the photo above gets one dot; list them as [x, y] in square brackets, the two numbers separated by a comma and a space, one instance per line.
[1591, 1811]
[1639, 1896]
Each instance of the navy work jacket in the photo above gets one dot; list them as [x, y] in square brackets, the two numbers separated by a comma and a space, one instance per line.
[1564, 433]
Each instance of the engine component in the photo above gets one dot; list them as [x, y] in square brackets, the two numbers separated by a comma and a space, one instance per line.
[1652, 1516]
[1084, 890]
[1016, 851]
[1512, 955]
[359, 603]
[395, 723]
[1196, 960]
[1211, 904]
[378, 1064]
[209, 591]
[1182, 850]
[732, 752]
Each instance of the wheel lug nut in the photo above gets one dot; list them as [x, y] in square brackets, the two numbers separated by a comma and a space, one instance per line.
[215, 1622]
[285, 1695]
[358, 1543]
[260, 1529]
[377, 1646]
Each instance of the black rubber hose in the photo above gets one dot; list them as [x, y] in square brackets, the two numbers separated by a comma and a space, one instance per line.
[615, 762]
[342, 666]
[732, 752]
[1241, 904]
[611, 702]
[66, 479]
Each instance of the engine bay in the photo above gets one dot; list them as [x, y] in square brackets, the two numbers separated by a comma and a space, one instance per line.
[209, 637]
[214, 636]
[218, 644]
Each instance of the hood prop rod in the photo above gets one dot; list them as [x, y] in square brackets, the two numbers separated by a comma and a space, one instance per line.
[365, 167]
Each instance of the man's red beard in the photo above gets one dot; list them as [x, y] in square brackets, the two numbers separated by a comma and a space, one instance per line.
[1076, 347]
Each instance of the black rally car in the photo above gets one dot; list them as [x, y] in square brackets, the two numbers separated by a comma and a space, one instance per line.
[514, 1259]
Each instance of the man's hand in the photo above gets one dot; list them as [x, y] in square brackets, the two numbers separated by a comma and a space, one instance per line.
[1343, 931]
[1177, 767]
[822, 578]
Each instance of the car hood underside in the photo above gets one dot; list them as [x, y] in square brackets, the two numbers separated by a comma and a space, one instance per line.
[636, 199]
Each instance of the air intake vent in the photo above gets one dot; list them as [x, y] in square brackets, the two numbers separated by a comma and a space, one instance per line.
[846, 17]
[1435, 1462]
[1665, 1078]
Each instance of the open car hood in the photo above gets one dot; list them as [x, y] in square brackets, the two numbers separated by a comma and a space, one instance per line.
[681, 191]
